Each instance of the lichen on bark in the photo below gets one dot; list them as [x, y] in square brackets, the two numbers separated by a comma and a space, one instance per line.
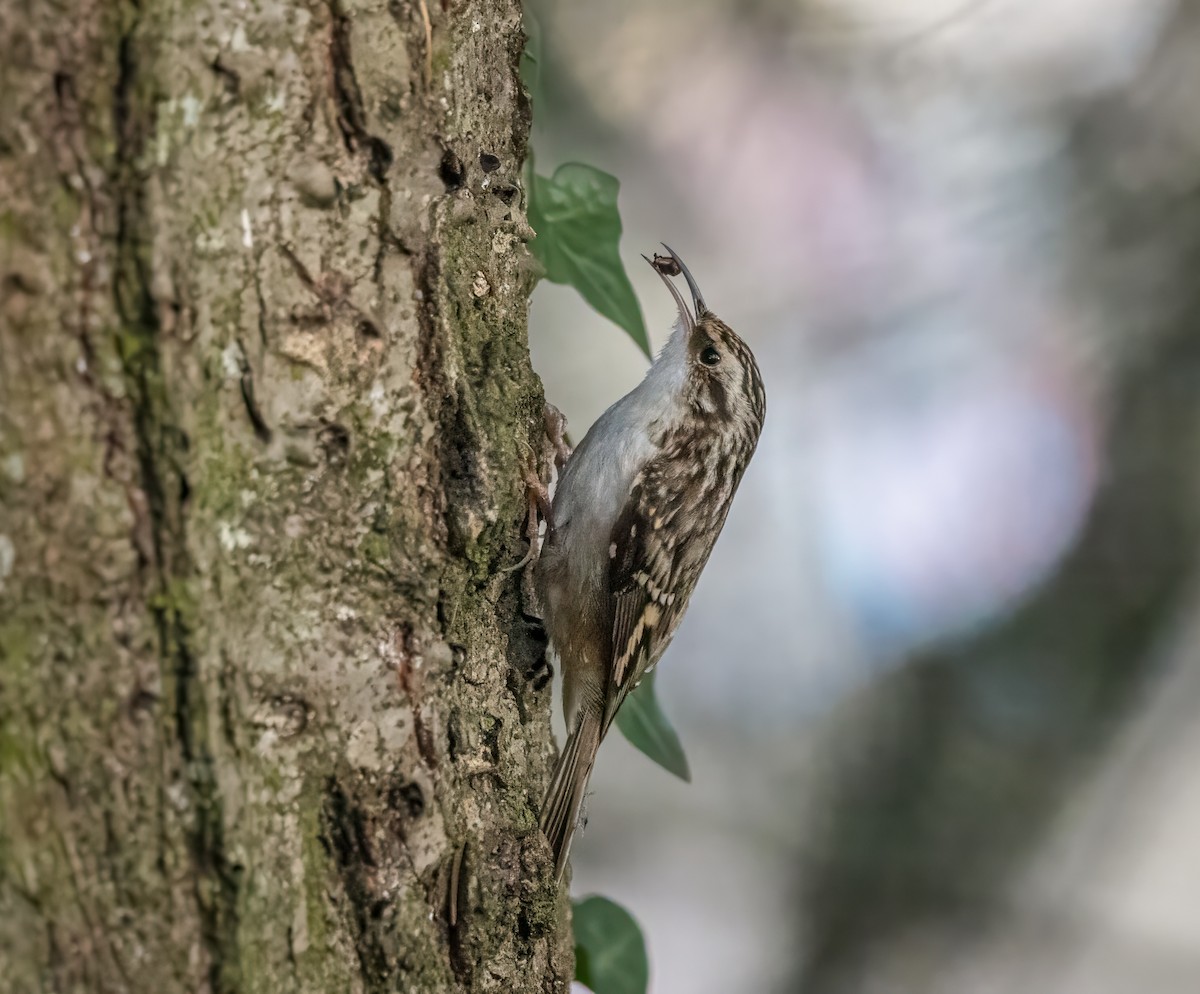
[266, 716]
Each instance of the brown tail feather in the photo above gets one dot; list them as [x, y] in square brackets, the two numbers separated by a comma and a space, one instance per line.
[560, 809]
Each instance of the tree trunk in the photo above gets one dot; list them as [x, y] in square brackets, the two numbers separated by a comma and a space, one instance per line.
[270, 717]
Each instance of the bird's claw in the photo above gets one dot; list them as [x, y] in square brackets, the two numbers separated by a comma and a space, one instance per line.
[536, 488]
[538, 508]
[556, 432]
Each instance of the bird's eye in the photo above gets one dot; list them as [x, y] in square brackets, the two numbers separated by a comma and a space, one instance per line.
[710, 356]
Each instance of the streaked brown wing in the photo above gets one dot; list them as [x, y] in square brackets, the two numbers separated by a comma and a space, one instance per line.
[641, 585]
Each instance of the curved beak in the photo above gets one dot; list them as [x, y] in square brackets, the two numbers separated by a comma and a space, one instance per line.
[672, 265]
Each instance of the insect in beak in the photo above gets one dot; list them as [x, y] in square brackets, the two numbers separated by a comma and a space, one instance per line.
[671, 265]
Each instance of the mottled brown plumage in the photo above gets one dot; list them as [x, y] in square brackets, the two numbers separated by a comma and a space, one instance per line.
[637, 510]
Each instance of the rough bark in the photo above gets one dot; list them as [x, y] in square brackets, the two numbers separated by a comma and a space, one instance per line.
[270, 717]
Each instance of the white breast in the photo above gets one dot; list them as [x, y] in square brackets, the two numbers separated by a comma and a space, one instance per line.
[599, 475]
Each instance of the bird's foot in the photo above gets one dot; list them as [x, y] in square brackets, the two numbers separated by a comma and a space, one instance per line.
[537, 486]
[537, 509]
[556, 434]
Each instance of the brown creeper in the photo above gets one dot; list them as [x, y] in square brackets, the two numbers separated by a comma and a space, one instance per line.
[638, 507]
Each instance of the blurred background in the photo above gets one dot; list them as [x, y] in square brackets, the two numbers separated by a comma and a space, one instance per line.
[939, 682]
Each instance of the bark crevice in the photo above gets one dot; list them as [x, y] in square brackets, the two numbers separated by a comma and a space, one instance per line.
[161, 455]
[346, 92]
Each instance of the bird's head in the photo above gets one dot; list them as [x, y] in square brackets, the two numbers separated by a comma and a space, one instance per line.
[721, 378]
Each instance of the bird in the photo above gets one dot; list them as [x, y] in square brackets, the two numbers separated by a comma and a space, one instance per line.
[638, 506]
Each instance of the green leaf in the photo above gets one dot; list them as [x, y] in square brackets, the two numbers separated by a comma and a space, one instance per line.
[578, 227]
[643, 723]
[531, 58]
[610, 953]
